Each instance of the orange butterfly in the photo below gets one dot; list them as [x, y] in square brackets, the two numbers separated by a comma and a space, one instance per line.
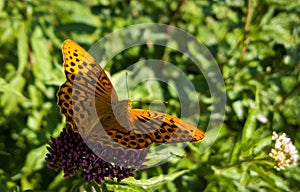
[89, 102]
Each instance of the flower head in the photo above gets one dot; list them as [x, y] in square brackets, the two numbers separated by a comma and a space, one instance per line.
[71, 154]
[284, 152]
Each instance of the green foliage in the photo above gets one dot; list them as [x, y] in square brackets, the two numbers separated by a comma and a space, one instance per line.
[255, 43]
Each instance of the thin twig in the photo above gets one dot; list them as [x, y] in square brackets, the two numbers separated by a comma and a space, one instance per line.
[177, 11]
[247, 29]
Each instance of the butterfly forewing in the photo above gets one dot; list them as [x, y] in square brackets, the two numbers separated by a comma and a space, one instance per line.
[86, 82]
[164, 128]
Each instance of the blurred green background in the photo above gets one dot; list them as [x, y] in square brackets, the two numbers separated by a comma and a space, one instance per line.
[255, 43]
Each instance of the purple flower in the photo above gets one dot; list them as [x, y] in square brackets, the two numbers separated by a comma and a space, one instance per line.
[71, 154]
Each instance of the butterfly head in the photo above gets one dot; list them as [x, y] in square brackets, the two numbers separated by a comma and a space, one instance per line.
[121, 111]
[124, 104]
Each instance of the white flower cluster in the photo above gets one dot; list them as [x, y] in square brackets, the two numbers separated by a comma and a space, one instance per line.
[284, 152]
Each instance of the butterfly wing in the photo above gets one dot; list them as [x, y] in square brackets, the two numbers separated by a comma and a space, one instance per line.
[87, 86]
[143, 127]
[165, 128]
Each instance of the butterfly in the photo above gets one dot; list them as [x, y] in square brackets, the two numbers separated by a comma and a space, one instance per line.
[90, 104]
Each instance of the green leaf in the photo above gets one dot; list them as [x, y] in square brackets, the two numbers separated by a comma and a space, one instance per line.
[22, 48]
[14, 88]
[35, 160]
[250, 125]
[154, 183]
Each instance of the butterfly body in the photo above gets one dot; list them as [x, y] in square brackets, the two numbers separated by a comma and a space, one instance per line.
[91, 106]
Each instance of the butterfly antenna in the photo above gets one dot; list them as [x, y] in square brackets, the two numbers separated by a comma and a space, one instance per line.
[127, 85]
